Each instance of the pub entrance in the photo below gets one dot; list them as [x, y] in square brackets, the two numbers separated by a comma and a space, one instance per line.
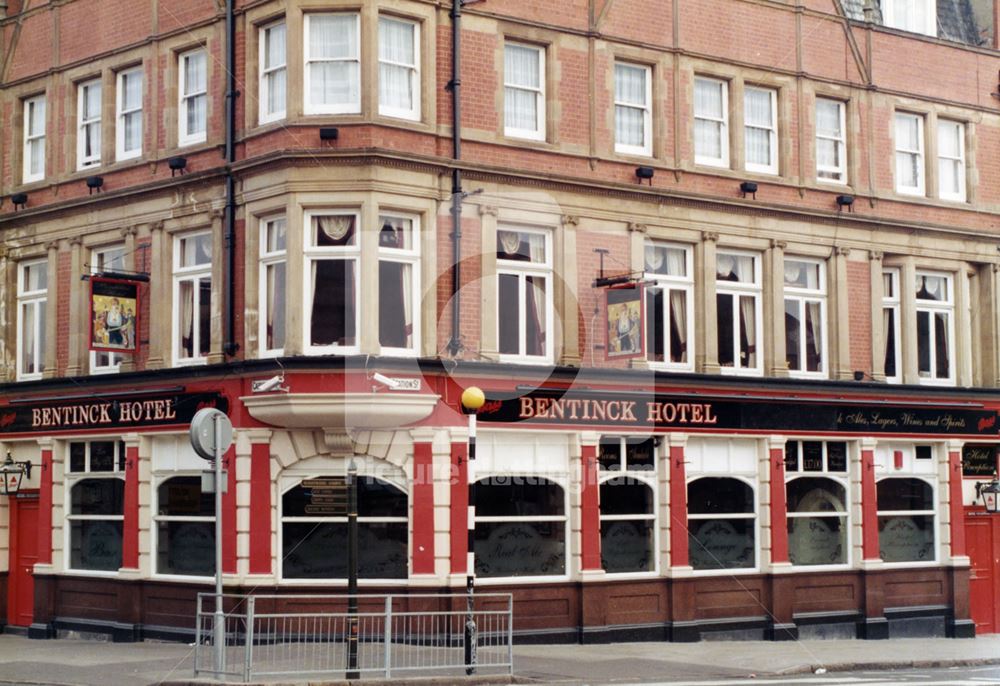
[982, 536]
[23, 556]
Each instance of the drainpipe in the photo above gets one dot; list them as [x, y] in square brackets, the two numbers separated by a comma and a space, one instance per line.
[230, 346]
[455, 86]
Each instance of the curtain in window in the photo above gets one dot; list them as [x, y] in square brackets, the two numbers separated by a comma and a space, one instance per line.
[654, 323]
[521, 67]
[204, 315]
[395, 53]
[132, 105]
[748, 327]
[333, 39]
[195, 87]
[275, 306]
[28, 331]
[91, 103]
[743, 268]
[759, 118]
[678, 326]
[708, 116]
[630, 89]
[814, 337]
[889, 332]
[186, 297]
[274, 65]
[908, 172]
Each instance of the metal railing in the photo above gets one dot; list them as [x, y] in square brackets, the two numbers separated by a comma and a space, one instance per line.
[396, 635]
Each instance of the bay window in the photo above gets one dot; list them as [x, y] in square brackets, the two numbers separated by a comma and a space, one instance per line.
[524, 91]
[892, 366]
[398, 284]
[524, 311]
[32, 302]
[192, 88]
[737, 293]
[633, 109]
[398, 68]
[760, 129]
[111, 259]
[722, 524]
[332, 301]
[273, 288]
[907, 520]
[95, 484]
[185, 527]
[88, 124]
[909, 153]
[951, 160]
[935, 306]
[192, 297]
[805, 316]
[831, 148]
[128, 118]
[273, 72]
[711, 122]
[34, 139]
[332, 63]
[669, 305]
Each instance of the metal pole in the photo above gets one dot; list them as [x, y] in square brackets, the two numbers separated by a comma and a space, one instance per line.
[352, 571]
[455, 344]
[219, 638]
[471, 632]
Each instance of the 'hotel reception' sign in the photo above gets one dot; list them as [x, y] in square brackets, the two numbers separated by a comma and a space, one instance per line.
[634, 409]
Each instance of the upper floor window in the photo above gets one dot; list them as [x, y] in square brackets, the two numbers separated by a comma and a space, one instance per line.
[738, 312]
[633, 109]
[524, 292]
[909, 153]
[111, 259]
[193, 90]
[524, 91]
[32, 297]
[935, 306]
[805, 316]
[669, 305]
[398, 284]
[919, 16]
[273, 288]
[95, 486]
[951, 160]
[398, 68]
[831, 164]
[760, 129]
[890, 325]
[711, 122]
[332, 63]
[88, 124]
[34, 139]
[273, 72]
[192, 297]
[722, 526]
[128, 135]
[332, 254]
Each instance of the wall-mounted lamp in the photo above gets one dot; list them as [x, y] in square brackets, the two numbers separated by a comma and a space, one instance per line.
[845, 201]
[19, 200]
[749, 187]
[989, 491]
[645, 173]
[12, 474]
[94, 183]
[329, 133]
[177, 165]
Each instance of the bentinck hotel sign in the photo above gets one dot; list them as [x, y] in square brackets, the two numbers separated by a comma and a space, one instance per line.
[747, 414]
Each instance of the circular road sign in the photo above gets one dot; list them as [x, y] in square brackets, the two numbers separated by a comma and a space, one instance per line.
[203, 432]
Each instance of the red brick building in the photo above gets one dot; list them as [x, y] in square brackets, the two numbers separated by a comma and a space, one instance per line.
[776, 430]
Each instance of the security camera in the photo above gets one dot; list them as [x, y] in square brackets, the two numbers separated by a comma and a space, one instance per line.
[266, 385]
[385, 380]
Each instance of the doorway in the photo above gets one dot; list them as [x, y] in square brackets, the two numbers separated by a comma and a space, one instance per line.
[982, 538]
[23, 556]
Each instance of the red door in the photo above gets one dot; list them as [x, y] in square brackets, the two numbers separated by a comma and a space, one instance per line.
[982, 538]
[23, 556]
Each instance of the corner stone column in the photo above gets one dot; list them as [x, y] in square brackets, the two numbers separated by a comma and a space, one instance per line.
[78, 339]
[568, 306]
[51, 312]
[215, 342]
[877, 283]
[127, 363]
[839, 336]
[489, 336]
[422, 499]
[775, 355]
[160, 283]
[706, 316]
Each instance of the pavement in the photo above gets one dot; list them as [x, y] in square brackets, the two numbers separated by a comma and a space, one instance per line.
[98, 663]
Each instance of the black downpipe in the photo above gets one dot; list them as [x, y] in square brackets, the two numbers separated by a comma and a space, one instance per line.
[455, 85]
[230, 346]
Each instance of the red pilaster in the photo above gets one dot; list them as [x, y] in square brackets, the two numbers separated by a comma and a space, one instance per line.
[229, 513]
[590, 510]
[260, 508]
[459, 508]
[955, 499]
[423, 508]
[130, 526]
[779, 513]
[678, 508]
[869, 506]
[45, 509]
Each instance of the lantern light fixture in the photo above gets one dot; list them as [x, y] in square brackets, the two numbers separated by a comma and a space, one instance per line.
[989, 491]
[12, 474]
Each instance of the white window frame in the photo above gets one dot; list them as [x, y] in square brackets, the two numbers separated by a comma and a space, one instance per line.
[932, 513]
[933, 308]
[669, 284]
[803, 297]
[645, 477]
[891, 16]
[521, 270]
[100, 260]
[33, 138]
[185, 99]
[771, 128]
[195, 274]
[956, 129]
[409, 256]
[646, 149]
[269, 259]
[84, 124]
[37, 300]
[737, 290]
[836, 174]
[352, 106]
[753, 515]
[72, 478]
[121, 114]
[267, 71]
[722, 123]
[311, 254]
[891, 301]
[918, 153]
[158, 481]
[413, 113]
[538, 133]
[840, 477]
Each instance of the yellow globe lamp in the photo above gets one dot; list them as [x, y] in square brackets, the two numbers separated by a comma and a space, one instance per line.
[473, 398]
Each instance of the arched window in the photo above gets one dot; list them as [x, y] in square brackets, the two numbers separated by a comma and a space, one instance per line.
[906, 520]
[627, 526]
[95, 472]
[817, 521]
[314, 531]
[721, 524]
[520, 527]
[185, 527]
